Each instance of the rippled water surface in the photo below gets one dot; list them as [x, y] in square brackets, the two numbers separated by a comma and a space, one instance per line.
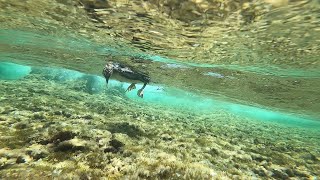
[267, 53]
[257, 60]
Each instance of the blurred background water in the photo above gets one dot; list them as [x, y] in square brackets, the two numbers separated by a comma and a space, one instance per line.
[261, 53]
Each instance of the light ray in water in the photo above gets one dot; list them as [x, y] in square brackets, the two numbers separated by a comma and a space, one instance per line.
[160, 95]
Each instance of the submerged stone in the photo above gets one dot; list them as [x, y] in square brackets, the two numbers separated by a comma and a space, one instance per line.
[166, 137]
[37, 151]
[72, 145]
[279, 174]
[61, 136]
[21, 125]
[20, 159]
[131, 130]
[116, 143]
[115, 146]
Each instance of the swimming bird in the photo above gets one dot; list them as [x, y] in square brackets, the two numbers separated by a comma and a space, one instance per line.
[125, 73]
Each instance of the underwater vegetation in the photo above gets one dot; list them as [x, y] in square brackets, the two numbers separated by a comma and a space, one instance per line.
[232, 89]
[52, 124]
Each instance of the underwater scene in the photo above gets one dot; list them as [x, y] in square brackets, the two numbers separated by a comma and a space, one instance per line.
[159, 89]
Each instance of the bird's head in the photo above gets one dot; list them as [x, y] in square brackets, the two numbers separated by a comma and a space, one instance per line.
[108, 70]
[109, 65]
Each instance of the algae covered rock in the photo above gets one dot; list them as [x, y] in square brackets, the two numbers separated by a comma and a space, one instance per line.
[95, 4]
[37, 151]
[115, 146]
[132, 130]
[73, 145]
[166, 137]
[62, 136]
[117, 143]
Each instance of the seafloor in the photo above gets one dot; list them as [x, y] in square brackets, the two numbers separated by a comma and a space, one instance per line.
[51, 130]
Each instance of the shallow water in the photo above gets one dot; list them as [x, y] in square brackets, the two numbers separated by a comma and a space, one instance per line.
[234, 90]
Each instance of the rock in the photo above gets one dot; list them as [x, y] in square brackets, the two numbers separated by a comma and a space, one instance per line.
[95, 4]
[289, 172]
[261, 171]
[66, 114]
[214, 151]
[87, 116]
[57, 112]
[72, 145]
[38, 116]
[166, 137]
[110, 149]
[7, 110]
[257, 141]
[243, 157]
[309, 156]
[132, 130]
[20, 159]
[300, 173]
[37, 151]
[5, 162]
[258, 157]
[277, 3]
[3, 118]
[20, 125]
[62, 136]
[279, 174]
[115, 145]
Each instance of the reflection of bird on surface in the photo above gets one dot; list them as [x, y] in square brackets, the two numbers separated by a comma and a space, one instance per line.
[125, 73]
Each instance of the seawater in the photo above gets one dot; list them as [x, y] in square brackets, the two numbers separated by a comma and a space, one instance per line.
[213, 115]
[228, 103]
[157, 94]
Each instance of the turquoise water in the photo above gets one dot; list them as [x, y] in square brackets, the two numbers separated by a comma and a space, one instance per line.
[158, 94]
[255, 126]
[234, 91]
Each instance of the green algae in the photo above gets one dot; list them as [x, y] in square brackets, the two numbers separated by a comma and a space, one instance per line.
[57, 128]
[124, 139]
[15, 138]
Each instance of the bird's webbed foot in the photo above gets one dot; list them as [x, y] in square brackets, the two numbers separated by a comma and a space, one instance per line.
[140, 93]
[132, 86]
